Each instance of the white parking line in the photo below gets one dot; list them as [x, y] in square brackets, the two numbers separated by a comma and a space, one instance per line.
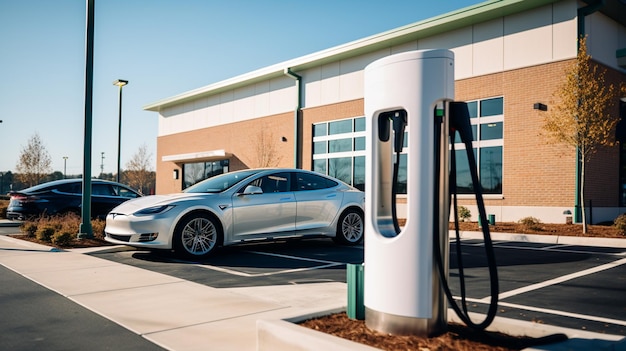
[559, 279]
[326, 264]
[248, 275]
[553, 312]
[557, 248]
[293, 257]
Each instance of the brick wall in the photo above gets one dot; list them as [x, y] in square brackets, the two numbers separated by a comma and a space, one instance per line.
[239, 139]
[535, 172]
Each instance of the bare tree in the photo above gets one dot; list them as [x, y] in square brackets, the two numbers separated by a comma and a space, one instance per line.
[34, 163]
[582, 117]
[266, 152]
[138, 173]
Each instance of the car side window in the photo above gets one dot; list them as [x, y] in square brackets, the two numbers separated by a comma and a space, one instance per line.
[273, 183]
[308, 181]
[71, 188]
[102, 189]
[123, 192]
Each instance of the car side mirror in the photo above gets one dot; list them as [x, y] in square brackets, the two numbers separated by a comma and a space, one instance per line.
[251, 190]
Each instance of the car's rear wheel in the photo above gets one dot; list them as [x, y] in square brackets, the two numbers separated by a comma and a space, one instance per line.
[350, 228]
[197, 235]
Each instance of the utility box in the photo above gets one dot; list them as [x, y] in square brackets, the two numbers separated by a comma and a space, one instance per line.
[354, 278]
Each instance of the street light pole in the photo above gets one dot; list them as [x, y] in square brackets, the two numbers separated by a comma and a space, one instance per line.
[64, 167]
[120, 83]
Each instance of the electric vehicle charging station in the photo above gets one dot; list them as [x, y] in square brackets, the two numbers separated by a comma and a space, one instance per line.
[407, 92]
[405, 273]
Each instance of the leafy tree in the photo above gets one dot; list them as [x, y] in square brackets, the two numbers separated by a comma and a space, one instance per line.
[138, 173]
[582, 117]
[34, 163]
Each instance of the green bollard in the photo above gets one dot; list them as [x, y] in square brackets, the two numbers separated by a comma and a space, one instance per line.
[354, 277]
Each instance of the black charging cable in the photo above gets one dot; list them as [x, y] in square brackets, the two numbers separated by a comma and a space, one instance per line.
[459, 121]
[398, 121]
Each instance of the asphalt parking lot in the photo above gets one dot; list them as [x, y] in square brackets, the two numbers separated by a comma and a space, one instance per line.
[579, 287]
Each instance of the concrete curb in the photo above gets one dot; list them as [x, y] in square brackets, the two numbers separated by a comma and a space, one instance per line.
[547, 239]
[10, 223]
[279, 335]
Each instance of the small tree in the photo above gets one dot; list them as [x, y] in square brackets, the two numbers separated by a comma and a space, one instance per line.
[582, 117]
[34, 162]
[138, 173]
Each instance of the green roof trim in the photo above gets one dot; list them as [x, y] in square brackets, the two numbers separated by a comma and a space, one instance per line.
[463, 17]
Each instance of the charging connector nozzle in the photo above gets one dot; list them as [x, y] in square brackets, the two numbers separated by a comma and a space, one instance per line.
[460, 121]
[399, 124]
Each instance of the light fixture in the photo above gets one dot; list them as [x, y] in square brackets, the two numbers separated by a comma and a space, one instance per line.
[539, 106]
[175, 174]
[120, 82]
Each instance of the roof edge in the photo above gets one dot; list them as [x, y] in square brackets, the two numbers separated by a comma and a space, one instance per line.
[463, 17]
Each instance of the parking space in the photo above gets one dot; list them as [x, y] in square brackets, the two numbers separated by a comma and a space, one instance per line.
[579, 287]
[261, 264]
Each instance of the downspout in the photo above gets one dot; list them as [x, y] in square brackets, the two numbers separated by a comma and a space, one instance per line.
[297, 123]
[582, 13]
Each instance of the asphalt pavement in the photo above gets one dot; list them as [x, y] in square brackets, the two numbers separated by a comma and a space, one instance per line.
[68, 300]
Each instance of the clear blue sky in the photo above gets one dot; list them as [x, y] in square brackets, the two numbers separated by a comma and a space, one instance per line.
[163, 48]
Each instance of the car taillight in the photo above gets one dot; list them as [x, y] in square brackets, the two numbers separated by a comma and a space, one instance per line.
[23, 198]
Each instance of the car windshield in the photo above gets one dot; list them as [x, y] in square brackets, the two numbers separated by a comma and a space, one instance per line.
[220, 183]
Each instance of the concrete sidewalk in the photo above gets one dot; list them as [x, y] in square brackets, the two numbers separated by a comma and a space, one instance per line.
[172, 313]
[180, 315]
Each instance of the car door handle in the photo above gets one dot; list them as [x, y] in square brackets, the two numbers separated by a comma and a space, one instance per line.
[286, 198]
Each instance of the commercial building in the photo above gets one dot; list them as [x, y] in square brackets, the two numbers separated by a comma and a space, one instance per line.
[510, 57]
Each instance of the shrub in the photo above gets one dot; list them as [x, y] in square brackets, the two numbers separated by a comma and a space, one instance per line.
[63, 238]
[530, 223]
[97, 226]
[45, 232]
[29, 228]
[464, 213]
[70, 222]
[3, 208]
[620, 223]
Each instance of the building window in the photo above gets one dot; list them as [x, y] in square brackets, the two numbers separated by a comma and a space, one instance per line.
[199, 171]
[339, 150]
[487, 121]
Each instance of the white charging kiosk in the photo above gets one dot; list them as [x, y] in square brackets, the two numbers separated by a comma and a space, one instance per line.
[402, 291]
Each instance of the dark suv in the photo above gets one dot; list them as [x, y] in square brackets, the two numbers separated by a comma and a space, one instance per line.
[65, 196]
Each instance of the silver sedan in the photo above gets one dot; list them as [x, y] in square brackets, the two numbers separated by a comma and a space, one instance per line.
[235, 207]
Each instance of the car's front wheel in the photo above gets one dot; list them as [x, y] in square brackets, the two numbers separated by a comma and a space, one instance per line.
[350, 228]
[197, 235]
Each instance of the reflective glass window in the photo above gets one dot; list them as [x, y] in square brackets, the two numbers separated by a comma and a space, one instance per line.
[340, 127]
[490, 131]
[340, 145]
[319, 147]
[491, 107]
[491, 169]
[359, 173]
[359, 124]
[341, 168]
[319, 129]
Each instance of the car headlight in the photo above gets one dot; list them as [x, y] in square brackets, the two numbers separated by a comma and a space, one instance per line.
[153, 210]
